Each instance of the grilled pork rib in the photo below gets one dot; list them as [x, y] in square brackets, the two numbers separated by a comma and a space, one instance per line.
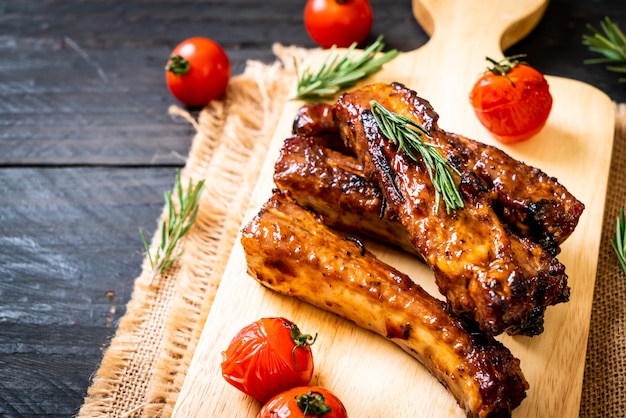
[539, 208]
[531, 203]
[332, 185]
[291, 251]
[469, 250]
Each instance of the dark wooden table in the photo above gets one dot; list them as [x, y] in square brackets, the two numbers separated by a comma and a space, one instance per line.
[87, 149]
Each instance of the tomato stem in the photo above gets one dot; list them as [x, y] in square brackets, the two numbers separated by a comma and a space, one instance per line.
[505, 65]
[313, 403]
[178, 65]
[300, 340]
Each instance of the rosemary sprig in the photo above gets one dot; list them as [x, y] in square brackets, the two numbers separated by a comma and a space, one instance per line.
[407, 135]
[340, 72]
[175, 226]
[610, 43]
[619, 242]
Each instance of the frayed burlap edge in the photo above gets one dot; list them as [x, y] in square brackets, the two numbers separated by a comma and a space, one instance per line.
[145, 364]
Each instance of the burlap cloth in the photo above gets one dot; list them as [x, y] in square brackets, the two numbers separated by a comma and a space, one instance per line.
[144, 367]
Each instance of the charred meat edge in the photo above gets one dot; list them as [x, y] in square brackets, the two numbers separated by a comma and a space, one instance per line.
[539, 207]
[469, 250]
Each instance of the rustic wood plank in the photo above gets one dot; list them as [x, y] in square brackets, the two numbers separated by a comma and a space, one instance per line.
[44, 374]
[69, 237]
[95, 68]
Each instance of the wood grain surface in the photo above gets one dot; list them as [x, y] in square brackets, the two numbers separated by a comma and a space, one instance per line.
[87, 149]
[356, 364]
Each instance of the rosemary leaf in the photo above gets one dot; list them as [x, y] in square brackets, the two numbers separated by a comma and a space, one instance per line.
[610, 43]
[619, 242]
[407, 135]
[339, 72]
[175, 226]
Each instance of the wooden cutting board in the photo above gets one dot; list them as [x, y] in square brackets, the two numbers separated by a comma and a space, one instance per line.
[372, 376]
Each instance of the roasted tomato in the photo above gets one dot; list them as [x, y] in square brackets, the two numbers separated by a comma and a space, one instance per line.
[303, 402]
[267, 357]
[197, 71]
[338, 22]
[512, 100]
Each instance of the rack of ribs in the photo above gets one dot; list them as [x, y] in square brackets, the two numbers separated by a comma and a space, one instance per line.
[539, 207]
[500, 274]
[333, 185]
[291, 251]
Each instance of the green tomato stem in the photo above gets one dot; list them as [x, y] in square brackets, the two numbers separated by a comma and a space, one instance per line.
[178, 65]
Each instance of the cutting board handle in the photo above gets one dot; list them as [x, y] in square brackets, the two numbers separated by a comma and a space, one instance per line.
[463, 33]
[496, 24]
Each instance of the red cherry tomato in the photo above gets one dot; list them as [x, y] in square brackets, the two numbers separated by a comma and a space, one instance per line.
[302, 402]
[267, 357]
[338, 22]
[198, 71]
[512, 100]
